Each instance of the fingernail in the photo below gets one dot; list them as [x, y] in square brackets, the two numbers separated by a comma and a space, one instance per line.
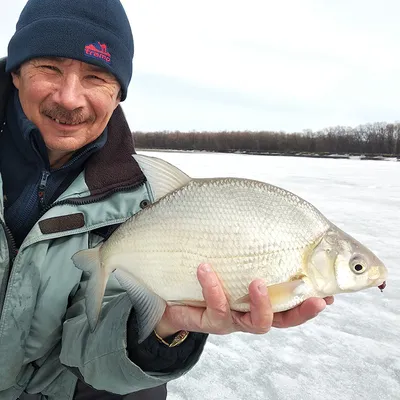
[205, 268]
[262, 289]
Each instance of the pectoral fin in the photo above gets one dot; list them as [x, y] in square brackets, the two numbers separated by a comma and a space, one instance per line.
[283, 296]
[286, 295]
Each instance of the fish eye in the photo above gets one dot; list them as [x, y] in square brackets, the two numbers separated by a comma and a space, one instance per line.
[358, 266]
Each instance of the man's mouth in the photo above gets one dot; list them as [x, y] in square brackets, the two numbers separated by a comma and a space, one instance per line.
[61, 122]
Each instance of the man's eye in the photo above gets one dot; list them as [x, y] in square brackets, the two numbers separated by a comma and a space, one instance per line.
[96, 77]
[50, 67]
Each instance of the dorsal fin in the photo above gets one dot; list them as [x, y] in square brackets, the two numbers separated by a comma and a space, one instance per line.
[164, 177]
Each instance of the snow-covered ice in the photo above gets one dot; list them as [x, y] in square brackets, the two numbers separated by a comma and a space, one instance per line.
[351, 351]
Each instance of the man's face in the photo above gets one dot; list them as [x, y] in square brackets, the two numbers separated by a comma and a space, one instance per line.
[69, 101]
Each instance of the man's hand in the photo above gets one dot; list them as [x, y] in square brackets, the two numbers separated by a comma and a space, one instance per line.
[217, 318]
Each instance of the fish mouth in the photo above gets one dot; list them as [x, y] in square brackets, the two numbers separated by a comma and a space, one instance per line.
[379, 282]
[378, 276]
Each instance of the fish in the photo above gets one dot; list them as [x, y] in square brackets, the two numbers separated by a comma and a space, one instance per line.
[245, 229]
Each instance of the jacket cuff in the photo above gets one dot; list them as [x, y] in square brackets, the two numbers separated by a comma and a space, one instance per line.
[153, 356]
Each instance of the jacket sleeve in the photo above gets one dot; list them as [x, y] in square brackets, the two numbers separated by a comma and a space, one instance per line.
[154, 356]
[109, 358]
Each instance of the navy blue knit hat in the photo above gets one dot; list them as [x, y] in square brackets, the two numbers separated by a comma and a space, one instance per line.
[94, 31]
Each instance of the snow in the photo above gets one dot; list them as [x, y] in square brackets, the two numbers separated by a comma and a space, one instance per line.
[351, 350]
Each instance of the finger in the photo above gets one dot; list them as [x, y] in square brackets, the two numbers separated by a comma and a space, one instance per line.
[304, 312]
[259, 319]
[261, 314]
[213, 293]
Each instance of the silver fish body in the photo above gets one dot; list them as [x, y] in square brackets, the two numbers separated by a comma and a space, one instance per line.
[245, 229]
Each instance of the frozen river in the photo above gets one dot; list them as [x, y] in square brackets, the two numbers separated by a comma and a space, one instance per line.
[352, 350]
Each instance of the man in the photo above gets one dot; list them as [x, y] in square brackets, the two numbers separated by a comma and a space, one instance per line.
[67, 181]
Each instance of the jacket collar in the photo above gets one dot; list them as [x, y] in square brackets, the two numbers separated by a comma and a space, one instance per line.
[111, 168]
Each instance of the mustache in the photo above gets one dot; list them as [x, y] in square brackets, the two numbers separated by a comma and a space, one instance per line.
[67, 116]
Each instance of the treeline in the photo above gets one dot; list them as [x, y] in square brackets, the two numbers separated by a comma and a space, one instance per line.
[379, 138]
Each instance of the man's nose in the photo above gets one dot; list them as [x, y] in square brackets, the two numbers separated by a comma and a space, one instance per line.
[70, 93]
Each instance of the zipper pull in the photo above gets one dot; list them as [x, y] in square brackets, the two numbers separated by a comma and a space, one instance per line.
[42, 187]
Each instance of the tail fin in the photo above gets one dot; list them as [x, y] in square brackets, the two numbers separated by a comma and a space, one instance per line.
[89, 261]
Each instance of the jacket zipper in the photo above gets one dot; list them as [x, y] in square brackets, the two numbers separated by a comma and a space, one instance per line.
[42, 188]
[12, 253]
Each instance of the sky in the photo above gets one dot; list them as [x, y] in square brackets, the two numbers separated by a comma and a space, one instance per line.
[257, 64]
[351, 350]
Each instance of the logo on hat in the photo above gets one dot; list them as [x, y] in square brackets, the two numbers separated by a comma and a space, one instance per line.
[99, 51]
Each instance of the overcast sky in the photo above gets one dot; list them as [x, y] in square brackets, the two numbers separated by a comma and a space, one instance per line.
[258, 64]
